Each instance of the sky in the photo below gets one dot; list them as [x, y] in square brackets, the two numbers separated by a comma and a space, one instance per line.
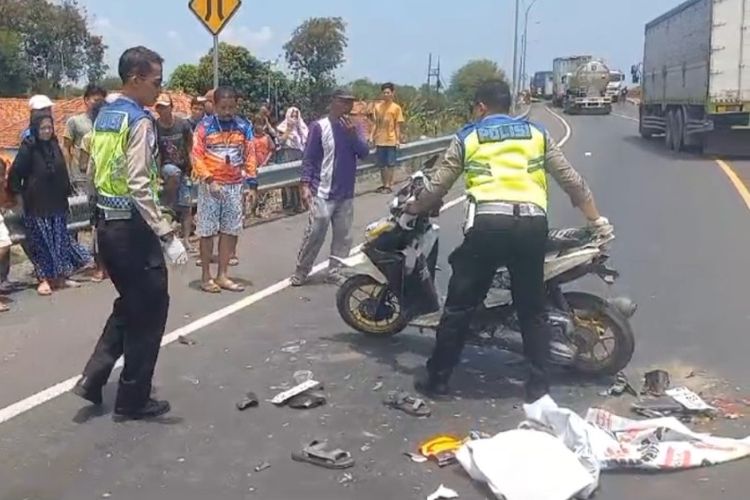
[390, 40]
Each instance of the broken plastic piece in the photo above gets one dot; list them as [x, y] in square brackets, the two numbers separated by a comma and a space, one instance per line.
[285, 396]
[249, 401]
[416, 457]
[621, 386]
[307, 400]
[656, 382]
[262, 466]
[185, 340]
[443, 492]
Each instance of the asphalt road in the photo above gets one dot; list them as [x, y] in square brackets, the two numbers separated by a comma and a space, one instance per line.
[682, 234]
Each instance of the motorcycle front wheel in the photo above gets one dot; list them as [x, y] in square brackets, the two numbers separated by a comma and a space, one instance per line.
[370, 307]
[602, 335]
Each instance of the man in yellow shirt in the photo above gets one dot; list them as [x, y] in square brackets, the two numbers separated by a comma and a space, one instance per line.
[387, 134]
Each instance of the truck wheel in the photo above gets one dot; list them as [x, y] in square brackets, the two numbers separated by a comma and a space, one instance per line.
[679, 131]
[669, 130]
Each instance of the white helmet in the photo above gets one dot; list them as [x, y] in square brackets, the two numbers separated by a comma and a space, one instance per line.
[40, 101]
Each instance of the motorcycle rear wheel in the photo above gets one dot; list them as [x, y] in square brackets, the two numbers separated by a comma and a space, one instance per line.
[594, 317]
[368, 314]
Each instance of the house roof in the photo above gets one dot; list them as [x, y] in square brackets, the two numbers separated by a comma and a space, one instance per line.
[14, 115]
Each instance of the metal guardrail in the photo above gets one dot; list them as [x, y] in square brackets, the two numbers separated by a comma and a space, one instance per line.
[269, 178]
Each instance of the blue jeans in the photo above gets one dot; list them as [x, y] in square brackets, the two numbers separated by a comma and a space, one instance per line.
[386, 156]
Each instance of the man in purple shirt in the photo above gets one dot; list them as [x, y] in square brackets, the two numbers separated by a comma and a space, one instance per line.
[329, 169]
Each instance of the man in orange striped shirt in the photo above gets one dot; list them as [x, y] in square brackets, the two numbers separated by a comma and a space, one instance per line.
[224, 162]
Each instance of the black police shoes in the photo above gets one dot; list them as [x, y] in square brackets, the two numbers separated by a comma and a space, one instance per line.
[85, 389]
[152, 409]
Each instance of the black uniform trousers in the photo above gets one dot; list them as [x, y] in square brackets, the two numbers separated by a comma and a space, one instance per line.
[496, 240]
[132, 255]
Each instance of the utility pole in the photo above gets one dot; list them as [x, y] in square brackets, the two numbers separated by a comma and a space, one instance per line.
[216, 61]
[433, 72]
[514, 86]
[526, 41]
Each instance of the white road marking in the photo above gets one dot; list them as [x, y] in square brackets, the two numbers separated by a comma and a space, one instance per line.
[61, 388]
[618, 115]
[566, 125]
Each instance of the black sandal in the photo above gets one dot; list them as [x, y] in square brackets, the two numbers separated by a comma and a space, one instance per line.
[407, 403]
[316, 453]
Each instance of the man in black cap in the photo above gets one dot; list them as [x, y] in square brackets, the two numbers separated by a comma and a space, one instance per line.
[329, 169]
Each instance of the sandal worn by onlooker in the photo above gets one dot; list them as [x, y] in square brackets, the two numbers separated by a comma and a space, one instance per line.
[210, 287]
[44, 289]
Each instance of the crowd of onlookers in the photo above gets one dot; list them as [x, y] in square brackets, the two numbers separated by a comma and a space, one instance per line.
[203, 166]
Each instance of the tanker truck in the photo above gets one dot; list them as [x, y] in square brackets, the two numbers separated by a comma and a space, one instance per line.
[696, 77]
[586, 90]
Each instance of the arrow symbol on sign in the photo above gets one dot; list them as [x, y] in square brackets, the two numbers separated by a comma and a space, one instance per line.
[219, 8]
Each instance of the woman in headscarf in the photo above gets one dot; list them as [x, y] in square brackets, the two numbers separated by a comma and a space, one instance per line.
[293, 133]
[40, 176]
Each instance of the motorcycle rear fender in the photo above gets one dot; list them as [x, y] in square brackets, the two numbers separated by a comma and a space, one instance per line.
[360, 263]
[555, 265]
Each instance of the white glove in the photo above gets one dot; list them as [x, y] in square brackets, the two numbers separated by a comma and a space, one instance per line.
[175, 252]
[601, 227]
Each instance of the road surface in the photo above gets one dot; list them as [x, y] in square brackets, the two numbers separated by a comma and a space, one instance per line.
[683, 230]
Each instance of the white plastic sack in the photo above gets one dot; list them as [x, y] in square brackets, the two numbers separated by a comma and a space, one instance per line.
[525, 464]
[659, 444]
[577, 434]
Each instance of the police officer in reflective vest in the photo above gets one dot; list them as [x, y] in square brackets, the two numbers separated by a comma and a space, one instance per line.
[504, 162]
[133, 238]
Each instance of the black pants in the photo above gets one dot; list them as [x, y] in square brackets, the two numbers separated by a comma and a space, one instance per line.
[132, 255]
[496, 240]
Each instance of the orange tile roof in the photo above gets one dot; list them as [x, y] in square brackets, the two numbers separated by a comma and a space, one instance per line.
[14, 115]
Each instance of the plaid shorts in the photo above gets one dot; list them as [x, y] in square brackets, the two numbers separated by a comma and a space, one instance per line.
[219, 214]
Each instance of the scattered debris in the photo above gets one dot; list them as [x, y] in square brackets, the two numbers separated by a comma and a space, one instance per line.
[307, 400]
[658, 407]
[416, 457]
[620, 387]
[186, 341]
[365, 448]
[292, 349]
[106, 495]
[181, 459]
[346, 478]
[443, 492]
[317, 453]
[377, 386]
[262, 466]
[302, 376]
[305, 299]
[689, 399]
[441, 449]
[249, 401]
[587, 153]
[416, 407]
[285, 396]
[731, 409]
[656, 382]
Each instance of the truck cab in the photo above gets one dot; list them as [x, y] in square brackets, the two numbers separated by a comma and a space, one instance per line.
[616, 85]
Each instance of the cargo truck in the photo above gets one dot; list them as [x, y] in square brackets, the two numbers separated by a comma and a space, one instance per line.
[616, 84]
[586, 89]
[562, 69]
[541, 85]
[696, 77]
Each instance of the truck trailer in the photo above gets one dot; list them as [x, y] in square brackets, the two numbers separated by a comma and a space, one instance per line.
[541, 85]
[562, 69]
[586, 89]
[696, 77]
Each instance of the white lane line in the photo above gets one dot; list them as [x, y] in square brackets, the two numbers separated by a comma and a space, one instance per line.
[566, 125]
[61, 388]
[618, 115]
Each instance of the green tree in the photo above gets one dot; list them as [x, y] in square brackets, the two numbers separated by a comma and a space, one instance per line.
[187, 78]
[111, 83]
[13, 68]
[365, 89]
[467, 79]
[314, 51]
[56, 41]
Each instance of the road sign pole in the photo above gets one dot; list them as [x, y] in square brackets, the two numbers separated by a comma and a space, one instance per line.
[216, 61]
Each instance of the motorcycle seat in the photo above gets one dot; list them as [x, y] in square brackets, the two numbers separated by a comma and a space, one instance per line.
[565, 239]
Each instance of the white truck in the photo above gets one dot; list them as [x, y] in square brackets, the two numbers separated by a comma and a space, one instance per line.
[696, 77]
[616, 85]
[562, 69]
[586, 90]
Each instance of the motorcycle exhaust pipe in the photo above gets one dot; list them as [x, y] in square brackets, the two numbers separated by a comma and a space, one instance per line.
[624, 305]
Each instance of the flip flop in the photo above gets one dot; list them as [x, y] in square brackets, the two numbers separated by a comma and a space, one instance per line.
[408, 404]
[231, 286]
[44, 291]
[317, 453]
[210, 287]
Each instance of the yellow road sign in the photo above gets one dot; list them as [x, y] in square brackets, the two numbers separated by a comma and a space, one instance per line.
[214, 14]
